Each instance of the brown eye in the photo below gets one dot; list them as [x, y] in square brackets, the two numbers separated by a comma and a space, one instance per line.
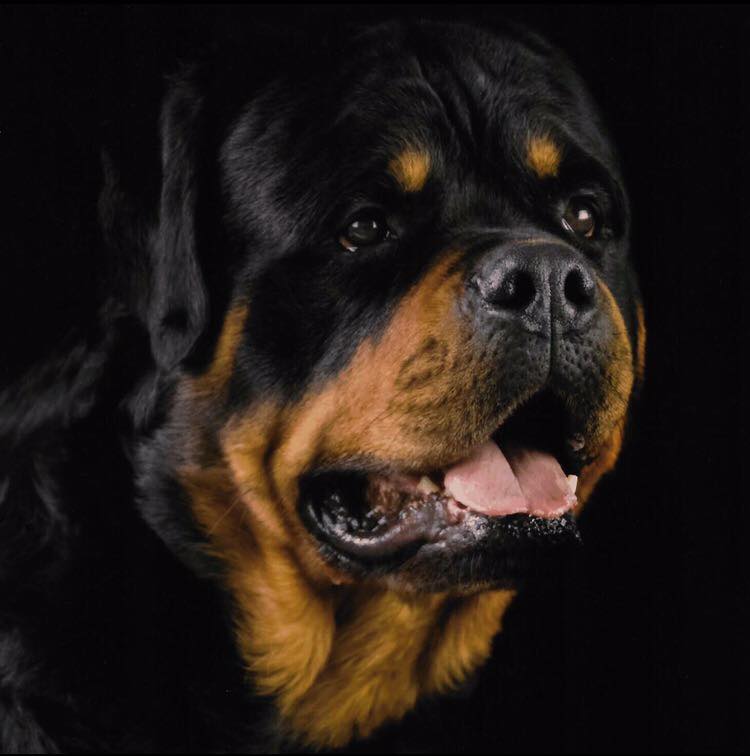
[364, 231]
[580, 217]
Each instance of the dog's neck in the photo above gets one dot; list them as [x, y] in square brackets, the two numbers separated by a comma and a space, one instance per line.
[338, 660]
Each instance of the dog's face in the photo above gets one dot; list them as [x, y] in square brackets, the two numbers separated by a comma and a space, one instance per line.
[428, 353]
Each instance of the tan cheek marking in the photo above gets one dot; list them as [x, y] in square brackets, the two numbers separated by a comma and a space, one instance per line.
[543, 156]
[604, 463]
[216, 378]
[374, 407]
[620, 374]
[641, 345]
[413, 395]
[608, 429]
[411, 169]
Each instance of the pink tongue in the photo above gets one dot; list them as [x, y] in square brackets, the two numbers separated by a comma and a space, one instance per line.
[518, 481]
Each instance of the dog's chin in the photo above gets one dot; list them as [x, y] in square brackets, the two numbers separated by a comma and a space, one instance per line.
[485, 521]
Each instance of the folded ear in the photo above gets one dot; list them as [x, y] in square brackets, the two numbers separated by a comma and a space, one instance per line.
[177, 298]
[147, 211]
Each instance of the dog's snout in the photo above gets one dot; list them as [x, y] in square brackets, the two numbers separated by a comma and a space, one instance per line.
[545, 286]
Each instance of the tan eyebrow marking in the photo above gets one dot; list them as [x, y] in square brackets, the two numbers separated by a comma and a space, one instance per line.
[411, 168]
[543, 156]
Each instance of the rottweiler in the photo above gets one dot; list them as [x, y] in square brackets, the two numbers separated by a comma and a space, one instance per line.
[369, 339]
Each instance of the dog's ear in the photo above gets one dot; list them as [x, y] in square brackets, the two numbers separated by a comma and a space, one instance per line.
[147, 209]
[177, 297]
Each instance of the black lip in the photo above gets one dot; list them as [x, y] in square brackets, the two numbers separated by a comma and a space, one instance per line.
[446, 551]
[498, 552]
[334, 507]
[391, 541]
[366, 538]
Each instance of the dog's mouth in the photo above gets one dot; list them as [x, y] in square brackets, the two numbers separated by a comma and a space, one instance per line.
[524, 477]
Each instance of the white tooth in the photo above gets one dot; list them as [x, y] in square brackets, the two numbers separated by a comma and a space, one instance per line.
[572, 483]
[427, 486]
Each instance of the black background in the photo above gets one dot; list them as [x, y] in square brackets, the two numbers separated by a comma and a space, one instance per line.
[639, 642]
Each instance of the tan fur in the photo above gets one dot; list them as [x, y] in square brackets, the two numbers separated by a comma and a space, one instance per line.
[543, 156]
[608, 423]
[464, 640]
[411, 169]
[640, 370]
[214, 380]
[604, 463]
[619, 374]
[372, 674]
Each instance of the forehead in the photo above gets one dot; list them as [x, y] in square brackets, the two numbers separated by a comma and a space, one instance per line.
[449, 102]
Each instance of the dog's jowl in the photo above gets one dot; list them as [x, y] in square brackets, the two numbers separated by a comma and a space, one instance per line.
[382, 336]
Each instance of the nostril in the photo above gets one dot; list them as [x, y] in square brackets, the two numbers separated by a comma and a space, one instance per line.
[515, 292]
[578, 289]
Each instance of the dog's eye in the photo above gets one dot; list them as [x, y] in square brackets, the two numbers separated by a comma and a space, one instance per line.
[580, 217]
[364, 230]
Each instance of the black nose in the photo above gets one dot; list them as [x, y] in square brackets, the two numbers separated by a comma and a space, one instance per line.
[545, 285]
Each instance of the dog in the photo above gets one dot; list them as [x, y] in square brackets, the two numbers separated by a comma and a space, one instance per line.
[369, 339]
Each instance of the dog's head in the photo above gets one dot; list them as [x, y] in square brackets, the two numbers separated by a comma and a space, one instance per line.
[395, 332]
[408, 263]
